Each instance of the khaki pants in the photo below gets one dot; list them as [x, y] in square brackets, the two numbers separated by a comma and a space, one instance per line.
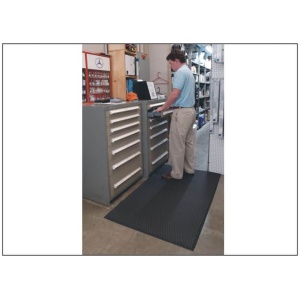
[181, 144]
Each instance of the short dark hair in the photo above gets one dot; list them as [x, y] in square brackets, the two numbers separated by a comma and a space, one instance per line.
[176, 54]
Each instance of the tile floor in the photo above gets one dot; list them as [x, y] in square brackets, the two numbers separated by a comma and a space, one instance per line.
[103, 237]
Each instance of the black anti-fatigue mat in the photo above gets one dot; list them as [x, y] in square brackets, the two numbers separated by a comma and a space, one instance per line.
[171, 210]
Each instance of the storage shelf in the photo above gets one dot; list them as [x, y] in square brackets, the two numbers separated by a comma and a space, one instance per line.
[122, 67]
[95, 82]
[202, 82]
[196, 63]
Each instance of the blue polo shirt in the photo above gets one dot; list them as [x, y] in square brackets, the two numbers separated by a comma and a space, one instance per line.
[184, 81]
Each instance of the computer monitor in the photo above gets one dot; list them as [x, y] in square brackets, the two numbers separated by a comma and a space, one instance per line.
[144, 89]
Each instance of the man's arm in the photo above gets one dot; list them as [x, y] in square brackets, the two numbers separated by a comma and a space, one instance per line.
[171, 99]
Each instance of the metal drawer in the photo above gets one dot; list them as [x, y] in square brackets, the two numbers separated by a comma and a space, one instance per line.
[157, 149]
[164, 142]
[124, 137]
[121, 124]
[115, 116]
[125, 172]
[121, 153]
[123, 127]
[158, 136]
[157, 161]
[161, 123]
[155, 105]
[157, 131]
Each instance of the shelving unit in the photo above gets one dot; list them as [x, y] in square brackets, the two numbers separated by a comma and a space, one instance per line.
[205, 74]
[95, 77]
[84, 100]
[199, 60]
[124, 68]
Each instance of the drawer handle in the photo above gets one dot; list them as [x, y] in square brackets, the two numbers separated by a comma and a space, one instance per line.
[123, 127]
[124, 135]
[160, 157]
[122, 162]
[124, 118]
[159, 133]
[165, 112]
[116, 111]
[126, 178]
[160, 143]
[156, 104]
[159, 124]
[124, 147]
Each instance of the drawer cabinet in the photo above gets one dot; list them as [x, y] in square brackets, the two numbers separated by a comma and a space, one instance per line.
[155, 137]
[112, 149]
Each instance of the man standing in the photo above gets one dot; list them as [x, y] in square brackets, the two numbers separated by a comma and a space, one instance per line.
[182, 100]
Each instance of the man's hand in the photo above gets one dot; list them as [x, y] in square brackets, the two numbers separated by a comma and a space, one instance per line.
[159, 109]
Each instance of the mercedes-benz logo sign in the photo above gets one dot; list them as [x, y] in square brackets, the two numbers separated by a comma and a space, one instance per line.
[99, 62]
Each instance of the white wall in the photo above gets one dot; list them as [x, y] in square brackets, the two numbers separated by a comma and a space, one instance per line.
[94, 48]
[158, 63]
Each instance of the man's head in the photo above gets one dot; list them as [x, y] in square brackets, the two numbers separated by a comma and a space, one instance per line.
[176, 59]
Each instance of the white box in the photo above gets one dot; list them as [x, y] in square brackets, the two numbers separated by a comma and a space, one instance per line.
[130, 65]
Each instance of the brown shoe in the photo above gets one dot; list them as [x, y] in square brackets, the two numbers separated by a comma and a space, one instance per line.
[188, 173]
[167, 176]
